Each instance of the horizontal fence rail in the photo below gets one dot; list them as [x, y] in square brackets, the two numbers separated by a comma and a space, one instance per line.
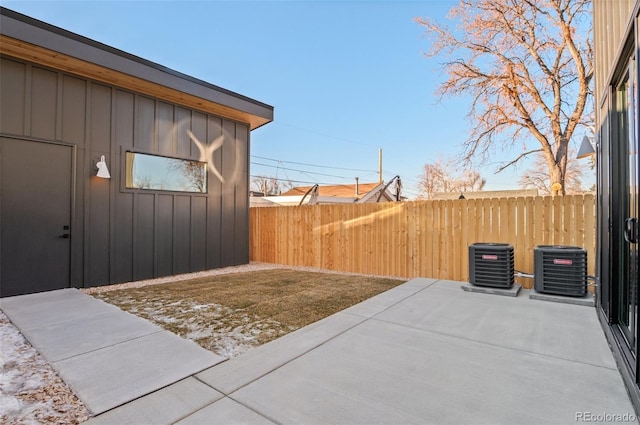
[420, 238]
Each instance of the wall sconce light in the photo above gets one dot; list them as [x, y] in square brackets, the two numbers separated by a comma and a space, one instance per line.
[586, 148]
[103, 171]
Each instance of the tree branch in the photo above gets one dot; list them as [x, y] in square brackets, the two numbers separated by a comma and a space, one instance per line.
[521, 156]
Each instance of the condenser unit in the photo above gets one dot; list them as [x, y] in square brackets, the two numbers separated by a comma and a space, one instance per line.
[491, 264]
[560, 270]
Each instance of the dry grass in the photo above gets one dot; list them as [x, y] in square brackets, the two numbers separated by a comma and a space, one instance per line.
[229, 314]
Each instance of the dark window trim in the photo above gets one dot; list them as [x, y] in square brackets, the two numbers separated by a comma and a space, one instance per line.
[123, 174]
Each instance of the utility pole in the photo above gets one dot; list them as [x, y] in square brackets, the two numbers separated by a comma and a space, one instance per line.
[380, 165]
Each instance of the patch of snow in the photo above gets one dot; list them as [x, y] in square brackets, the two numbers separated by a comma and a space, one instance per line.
[31, 392]
[10, 406]
[231, 344]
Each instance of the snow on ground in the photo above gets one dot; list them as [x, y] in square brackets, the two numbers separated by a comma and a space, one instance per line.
[31, 392]
[217, 328]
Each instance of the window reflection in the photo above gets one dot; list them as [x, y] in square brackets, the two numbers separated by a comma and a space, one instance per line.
[154, 172]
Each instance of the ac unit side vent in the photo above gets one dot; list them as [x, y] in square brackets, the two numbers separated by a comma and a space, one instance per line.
[491, 264]
[560, 270]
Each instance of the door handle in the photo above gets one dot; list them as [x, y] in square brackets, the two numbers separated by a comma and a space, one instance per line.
[65, 235]
[630, 230]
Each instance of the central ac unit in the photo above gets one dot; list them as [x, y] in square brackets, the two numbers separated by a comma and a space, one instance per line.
[491, 264]
[560, 270]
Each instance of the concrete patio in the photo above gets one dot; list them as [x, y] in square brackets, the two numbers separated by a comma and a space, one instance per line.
[423, 352]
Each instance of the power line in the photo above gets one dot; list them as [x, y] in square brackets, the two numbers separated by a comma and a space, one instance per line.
[404, 190]
[278, 167]
[288, 180]
[404, 179]
[300, 171]
[408, 179]
[314, 165]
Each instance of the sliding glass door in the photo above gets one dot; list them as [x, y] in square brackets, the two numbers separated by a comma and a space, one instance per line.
[627, 220]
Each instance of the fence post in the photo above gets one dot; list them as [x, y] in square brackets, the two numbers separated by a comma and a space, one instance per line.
[419, 238]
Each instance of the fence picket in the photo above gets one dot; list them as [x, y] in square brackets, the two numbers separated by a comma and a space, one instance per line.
[419, 238]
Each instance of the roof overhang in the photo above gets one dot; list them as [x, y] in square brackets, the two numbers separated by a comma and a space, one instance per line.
[31, 40]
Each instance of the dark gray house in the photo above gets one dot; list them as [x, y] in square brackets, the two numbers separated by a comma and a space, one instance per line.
[616, 54]
[114, 168]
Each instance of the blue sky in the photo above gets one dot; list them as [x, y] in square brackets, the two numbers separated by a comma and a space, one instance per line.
[346, 78]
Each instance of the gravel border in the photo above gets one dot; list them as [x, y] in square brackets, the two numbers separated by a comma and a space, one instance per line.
[251, 267]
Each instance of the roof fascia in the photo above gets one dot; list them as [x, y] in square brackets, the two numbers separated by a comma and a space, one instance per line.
[374, 192]
[35, 41]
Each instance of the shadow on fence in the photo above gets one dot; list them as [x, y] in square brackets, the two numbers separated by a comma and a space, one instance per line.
[420, 238]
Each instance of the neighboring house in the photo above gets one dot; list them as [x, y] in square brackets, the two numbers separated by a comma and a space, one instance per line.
[616, 29]
[329, 194]
[485, 194]
[176, 150]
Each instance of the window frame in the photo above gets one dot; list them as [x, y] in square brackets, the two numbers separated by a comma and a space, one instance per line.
[124, 151]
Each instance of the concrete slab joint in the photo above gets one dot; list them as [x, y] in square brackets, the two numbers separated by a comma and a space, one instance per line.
[406, 356]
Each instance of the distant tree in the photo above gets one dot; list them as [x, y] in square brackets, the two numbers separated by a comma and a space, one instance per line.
[444, 176]
[535, 177]
[528, 69]
[143, 182]
[194, 174]
[270, 186]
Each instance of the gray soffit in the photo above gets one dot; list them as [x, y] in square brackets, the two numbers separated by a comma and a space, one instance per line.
[39, 34]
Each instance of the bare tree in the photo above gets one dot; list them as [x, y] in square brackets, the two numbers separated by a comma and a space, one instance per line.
[270, 186]
[193, 174]
[535, 176]
[442, 176]
[143, 182]
[528, 70]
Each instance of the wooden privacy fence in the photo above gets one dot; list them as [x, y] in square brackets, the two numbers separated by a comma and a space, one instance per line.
[421, 238]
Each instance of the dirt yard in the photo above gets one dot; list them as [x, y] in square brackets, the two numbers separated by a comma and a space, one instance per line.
[225, 310]
[228, 314]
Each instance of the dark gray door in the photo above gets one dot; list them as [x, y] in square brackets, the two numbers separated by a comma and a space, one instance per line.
[35, 216]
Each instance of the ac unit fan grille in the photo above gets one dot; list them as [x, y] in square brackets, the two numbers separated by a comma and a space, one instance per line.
[491, 265]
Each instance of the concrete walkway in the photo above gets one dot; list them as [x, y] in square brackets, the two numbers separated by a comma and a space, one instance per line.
[107, 356]
[423, 352]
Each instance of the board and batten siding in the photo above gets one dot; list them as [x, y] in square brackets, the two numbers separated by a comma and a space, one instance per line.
[119, 234]
[610, 27]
